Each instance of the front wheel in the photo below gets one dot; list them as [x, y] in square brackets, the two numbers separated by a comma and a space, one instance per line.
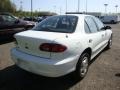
[109, 43]
[82, 66]
[112, 21]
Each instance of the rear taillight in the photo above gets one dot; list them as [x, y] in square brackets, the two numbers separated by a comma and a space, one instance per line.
[52, 47]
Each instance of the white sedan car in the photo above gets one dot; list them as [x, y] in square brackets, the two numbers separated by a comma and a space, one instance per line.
[61, 44]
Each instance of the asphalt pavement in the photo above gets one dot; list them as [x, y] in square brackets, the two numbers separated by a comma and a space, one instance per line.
[103, 74]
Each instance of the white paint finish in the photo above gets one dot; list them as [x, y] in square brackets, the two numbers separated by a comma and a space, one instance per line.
[33, 40]
[57, 64]
[43, 66]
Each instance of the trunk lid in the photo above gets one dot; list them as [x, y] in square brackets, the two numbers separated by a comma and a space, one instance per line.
[30, 41]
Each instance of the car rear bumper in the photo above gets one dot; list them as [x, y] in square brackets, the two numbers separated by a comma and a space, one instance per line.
[43, 66]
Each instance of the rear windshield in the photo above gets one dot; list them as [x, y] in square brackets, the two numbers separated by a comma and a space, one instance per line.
[65, 24]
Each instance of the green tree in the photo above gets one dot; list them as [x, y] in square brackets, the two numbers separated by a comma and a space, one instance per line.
[7, 6]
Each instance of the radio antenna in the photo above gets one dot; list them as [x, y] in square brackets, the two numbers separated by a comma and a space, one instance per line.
[66, 6]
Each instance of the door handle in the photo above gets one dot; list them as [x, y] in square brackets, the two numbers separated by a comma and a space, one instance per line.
[90, 40]
[102, 35]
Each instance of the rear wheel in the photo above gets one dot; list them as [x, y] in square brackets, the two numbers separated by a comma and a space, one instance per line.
[82, 66]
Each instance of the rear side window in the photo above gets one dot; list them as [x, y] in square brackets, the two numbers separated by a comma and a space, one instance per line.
[8, 18]
[64, 23]
[91, 24]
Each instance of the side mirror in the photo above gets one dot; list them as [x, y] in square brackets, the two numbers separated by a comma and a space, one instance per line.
[17, 21]
[106, 27]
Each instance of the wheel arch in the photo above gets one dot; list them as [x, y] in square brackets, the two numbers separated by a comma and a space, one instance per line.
[88, 50]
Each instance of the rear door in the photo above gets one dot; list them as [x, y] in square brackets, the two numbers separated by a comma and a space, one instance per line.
[103, 32]
[8, 21]
[12, 24]
[5, 26]
[93, 35]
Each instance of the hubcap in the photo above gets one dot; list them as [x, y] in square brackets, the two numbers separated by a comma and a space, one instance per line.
[110, 43]
[84, 66]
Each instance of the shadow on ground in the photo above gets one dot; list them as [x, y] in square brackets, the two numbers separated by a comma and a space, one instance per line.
[6, 40]
[117, 75]
[14, 78]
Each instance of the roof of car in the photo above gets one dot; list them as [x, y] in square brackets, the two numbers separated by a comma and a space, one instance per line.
[83, 15]
[78, 15]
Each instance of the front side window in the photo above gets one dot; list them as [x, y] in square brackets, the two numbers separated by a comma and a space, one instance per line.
[65, 24]
[99, 23]
[91, 24]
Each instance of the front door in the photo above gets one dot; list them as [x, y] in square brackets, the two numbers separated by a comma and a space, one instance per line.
[94, 37]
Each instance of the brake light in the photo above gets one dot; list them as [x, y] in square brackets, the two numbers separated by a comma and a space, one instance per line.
[52, 47]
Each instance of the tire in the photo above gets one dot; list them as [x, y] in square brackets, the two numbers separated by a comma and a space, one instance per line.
[109, 43]
[112, 21]
[82, 66]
